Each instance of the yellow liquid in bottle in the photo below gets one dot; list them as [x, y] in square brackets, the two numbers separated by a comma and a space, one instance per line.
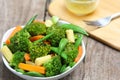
[81, 7]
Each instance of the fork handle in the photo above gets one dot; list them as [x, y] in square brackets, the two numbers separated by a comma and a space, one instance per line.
[115, 15]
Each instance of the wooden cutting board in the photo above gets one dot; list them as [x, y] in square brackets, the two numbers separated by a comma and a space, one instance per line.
[109, 34]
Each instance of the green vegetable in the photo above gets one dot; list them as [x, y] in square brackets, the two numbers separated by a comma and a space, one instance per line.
[32, 73]
[53, 66]
[55, 19]
[31, 20]
[45, 37]
[38, 50]
[62, 44]
[63, 68]
[71, 51]
[59, 33]
[55, 49]
[78, 41]
[20, 41]
[74, 28]
[36, 28]
[20, 70]
[17, 58]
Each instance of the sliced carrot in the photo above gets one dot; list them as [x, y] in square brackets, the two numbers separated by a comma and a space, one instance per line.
[29, 67]
[34, 38]
[79, 54]
[27, 56]
[17, 28]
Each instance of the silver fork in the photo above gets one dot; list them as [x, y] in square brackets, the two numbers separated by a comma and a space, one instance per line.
[103, 21]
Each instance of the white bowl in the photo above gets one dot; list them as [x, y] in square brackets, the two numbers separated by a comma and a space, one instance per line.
[40, 78]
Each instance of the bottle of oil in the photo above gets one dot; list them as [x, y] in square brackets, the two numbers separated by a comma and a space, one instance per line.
[81, 7]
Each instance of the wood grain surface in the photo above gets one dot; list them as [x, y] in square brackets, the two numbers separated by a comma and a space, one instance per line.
[101, 62]
[108, 34]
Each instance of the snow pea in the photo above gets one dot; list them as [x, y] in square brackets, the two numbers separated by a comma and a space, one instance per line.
[78, 41]
[55, 49]
[62, 44]
[74, 28]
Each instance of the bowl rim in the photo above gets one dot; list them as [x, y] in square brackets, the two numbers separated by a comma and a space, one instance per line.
[5, 36]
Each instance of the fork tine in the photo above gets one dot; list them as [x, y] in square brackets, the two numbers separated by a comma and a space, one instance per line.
[92, 23]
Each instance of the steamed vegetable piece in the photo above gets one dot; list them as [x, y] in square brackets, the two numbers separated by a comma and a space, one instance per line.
[7, 53]
[36, 28]
[70, 35]
[74, 28]
[17, 58]
[53, 66]
[27, 56]
[31, 20]
[41, 60]
[17, 29]
[79, 54]
[38, 49]
[71, 51]
[33, 73]
[59, 33]
[20, 41]
[29, 67]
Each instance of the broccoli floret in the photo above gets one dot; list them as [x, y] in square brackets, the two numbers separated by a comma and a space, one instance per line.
[71, 51]
[20, 41]
[36, 28]
[59, 33]
[17, 58]
[53, 66]
[38, 50]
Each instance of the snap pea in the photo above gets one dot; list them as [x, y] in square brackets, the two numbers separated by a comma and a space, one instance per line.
[79, 40]
[32, 73]
[55, 49]
[64, 55]
[62, 44]
[74, 28]
[20, 70]
[31, 20]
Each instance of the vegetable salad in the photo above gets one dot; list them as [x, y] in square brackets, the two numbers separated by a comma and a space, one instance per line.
[44, 49]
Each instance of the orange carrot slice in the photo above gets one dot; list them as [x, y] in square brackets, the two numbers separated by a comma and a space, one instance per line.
[79, 54]
[34, 38]
[17, 28]
[29, 67]
[27, 56]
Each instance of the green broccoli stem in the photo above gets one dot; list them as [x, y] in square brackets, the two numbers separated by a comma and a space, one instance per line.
[74, 28]
[44, 38]
[78, 41]
[31, 20]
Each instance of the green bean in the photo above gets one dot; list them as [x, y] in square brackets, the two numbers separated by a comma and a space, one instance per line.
[78, 41]
[20, 70]
[62, 44]
[44, 38]
[74, 28]
[31, 20]
[32, 73]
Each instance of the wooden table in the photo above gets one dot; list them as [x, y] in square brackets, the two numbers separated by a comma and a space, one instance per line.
[101, 62]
